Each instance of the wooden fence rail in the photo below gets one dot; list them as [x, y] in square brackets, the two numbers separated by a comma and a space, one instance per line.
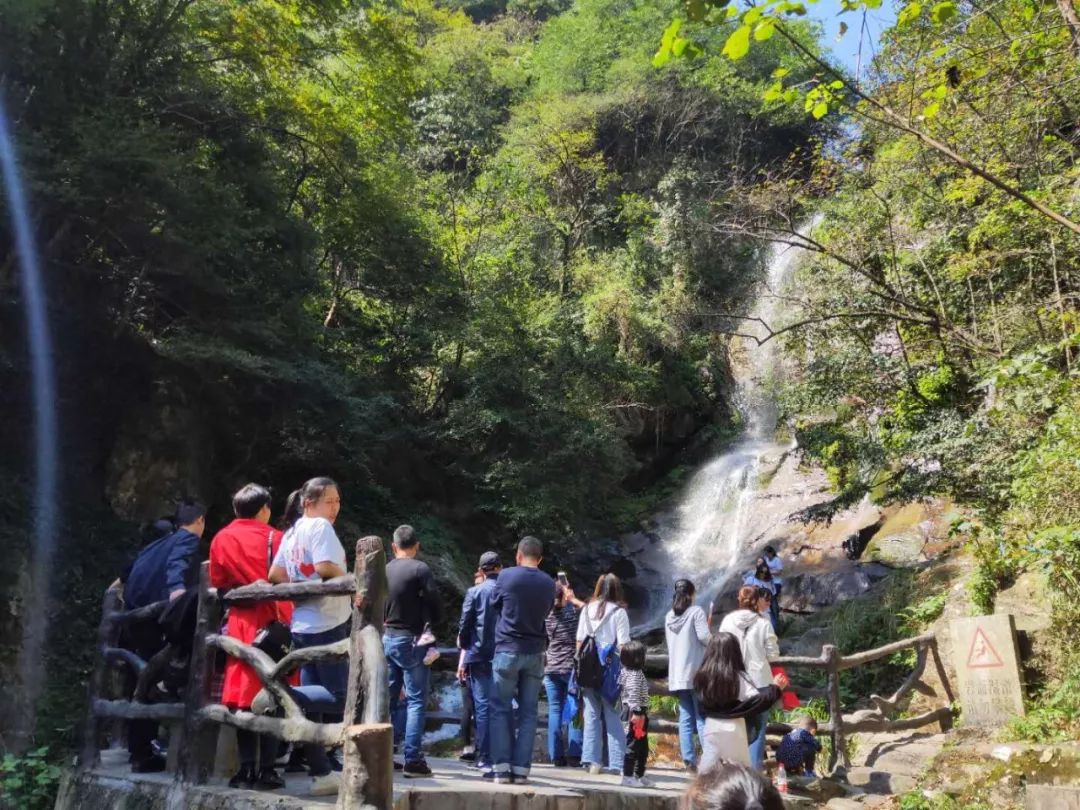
[365, 733]
[880, 717]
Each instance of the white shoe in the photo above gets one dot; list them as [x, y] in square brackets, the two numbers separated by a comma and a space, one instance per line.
[325, 785]
[630, 781]
[596, 769]
[645, 782]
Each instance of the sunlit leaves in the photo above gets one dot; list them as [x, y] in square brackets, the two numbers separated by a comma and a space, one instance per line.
[908, 13]
[738, 44]
[764, 30]
[663, 55]
[943, 12]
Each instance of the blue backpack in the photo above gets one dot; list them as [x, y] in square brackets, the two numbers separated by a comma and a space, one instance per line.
[609, 660]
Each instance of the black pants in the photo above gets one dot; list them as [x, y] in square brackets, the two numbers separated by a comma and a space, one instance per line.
[468, 717]
[256, 749]
[145, 640]
[637, 745]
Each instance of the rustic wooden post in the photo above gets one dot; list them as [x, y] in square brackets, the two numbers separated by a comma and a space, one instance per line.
[942, 675]
[197, 746]
[368, 770]
[946, 722]
[836, 710]
[108, 636]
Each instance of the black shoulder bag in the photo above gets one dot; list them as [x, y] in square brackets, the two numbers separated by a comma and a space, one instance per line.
[275, 639]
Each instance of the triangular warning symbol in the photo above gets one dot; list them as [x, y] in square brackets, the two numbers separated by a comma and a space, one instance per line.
[982, 654]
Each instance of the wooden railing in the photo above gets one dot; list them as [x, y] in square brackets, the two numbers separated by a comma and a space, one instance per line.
[882, 714]
[880, 717]
[365, 733]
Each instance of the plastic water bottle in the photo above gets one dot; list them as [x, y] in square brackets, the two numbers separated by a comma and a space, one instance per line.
[781, 779]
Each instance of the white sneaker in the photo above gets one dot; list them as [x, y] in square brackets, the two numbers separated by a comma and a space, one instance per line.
[325, 785]
[596, 768]
[630, 781]
[645, 782]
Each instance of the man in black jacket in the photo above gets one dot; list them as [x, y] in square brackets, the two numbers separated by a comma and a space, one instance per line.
[163, 570]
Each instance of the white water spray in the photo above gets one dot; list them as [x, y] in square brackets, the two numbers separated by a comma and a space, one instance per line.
[45, 425]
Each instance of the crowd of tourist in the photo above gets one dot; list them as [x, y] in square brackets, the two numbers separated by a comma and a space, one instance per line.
[519, 631]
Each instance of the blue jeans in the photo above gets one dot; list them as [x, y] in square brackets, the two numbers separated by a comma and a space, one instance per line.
[334, 675]
[405, 662]
[602, 718]
[480, 681]
[517, 674]
[755, 733]
[560, 744]
[691, 719]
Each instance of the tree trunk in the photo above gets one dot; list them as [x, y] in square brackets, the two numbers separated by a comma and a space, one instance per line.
[1072, 20]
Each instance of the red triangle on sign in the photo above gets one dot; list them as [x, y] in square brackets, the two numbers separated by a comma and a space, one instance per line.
[982, 654]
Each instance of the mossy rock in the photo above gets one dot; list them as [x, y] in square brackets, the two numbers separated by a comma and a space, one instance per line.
[900, 540]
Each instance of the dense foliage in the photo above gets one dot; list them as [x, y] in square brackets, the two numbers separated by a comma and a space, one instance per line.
[403, 239]
[463, 258]
[933, 339]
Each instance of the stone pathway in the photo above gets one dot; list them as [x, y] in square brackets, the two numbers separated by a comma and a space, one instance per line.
[452, 787]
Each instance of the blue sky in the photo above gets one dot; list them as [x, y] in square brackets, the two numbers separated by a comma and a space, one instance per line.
[846, 48]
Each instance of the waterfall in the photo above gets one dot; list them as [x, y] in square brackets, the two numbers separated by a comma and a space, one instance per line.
[723, 508]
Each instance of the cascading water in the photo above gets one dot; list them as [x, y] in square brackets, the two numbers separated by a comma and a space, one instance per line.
[722, 508]
[45, 428]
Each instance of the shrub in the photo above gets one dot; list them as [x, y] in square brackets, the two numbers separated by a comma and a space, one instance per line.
[29, 782]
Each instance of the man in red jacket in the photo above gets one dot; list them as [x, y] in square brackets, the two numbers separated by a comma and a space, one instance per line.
[240, 554]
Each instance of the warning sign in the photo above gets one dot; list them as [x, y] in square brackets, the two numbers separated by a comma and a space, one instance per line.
[987, 669]
[982, 654]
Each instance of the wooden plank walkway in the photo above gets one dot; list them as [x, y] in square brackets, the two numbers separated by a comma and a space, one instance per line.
[453, 786]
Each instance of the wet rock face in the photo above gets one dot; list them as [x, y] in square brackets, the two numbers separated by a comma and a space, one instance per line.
[629, 557]
[811, 592]
[163, 453]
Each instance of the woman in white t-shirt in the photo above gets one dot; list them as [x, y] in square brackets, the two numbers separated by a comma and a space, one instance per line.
[605, 619]
[311, 552]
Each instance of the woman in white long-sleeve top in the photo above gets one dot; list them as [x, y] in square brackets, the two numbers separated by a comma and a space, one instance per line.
[759, 646]
[686, 629]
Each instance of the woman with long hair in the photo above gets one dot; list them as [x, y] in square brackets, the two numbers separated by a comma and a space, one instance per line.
[686, 630]
[604, 619]
[759, 646]
[728, 696]
[729, 786]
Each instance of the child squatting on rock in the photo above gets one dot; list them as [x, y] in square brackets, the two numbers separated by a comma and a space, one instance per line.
[800, 747]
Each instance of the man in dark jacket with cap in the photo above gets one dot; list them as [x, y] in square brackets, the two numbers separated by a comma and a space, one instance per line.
[476, 637]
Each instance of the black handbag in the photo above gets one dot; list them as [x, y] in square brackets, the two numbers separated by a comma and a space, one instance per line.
[275, 639]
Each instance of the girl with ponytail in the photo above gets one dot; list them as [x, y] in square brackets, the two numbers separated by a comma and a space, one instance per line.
[686, 629]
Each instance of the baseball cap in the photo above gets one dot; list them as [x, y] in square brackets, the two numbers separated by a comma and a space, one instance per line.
[490, 559]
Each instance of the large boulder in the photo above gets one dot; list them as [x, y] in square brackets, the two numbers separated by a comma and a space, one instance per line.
[901, 539]
[810, 592]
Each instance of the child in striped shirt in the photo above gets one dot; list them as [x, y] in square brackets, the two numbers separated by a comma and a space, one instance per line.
[635, 699]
